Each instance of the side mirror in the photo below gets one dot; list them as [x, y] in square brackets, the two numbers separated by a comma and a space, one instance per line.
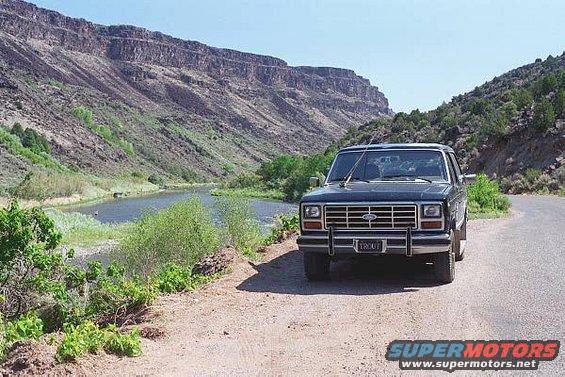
[469, 178]
[314, 181]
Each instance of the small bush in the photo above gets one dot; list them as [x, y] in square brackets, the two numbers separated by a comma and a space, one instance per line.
[120, 344]
[284, 226]
[28, 261]
[484, 196]
[27, 326]
[31, 139]
[156, 180]
[89, 338]
[240, 224]
[182, 234]
[173, 278]
[114, 296]
[84, 115]
[533, 181]
[544, 116]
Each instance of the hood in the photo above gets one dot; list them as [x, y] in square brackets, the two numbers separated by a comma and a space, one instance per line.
[379, 191]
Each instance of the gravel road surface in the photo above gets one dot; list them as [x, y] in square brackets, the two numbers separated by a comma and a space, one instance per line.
[266, 319]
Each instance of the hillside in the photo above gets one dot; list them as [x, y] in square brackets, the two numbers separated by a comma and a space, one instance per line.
[121, 100]
[512, 127]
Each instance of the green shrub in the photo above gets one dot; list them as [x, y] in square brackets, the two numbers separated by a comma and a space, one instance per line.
[284, 225]
[544, 116]
[533, 181]
[27, 326]
[89, 338]
[84, 115]
[28, 260]
[532, 175]
[244, 180]
[484, 196]
[173, 278]
[31, 139]
[156, 180]
[239, 221]
[182, 234]
[120, 344]
[14, 145]
[114, 296]
[559, 103]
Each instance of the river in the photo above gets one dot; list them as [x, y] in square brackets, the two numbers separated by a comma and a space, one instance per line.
[127, 209]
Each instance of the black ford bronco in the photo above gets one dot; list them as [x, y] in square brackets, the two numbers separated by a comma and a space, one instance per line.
[382, 199]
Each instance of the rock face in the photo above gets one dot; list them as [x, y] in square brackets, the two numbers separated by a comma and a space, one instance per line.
[182, 102]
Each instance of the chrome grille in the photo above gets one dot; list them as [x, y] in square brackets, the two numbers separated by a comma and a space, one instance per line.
[397, 216]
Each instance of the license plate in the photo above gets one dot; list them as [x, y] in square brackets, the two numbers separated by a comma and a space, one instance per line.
[368, 246]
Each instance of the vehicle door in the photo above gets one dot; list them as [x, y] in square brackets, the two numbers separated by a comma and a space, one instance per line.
[460, 201]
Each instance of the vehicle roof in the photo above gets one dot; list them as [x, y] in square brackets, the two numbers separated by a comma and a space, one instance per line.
[399, 146]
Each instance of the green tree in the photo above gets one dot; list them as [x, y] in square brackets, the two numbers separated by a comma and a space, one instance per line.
[481, 106]
[510, 110]
[17, 130]
[559, 103]
[28, 239]
[544, 116]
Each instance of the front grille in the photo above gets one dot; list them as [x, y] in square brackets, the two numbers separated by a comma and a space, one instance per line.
[397, 216]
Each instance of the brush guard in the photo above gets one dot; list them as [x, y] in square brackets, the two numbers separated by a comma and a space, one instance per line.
[408, 242]
[331, 249]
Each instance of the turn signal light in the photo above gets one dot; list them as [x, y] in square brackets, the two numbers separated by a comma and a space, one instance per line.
[312, 225]
[431, 224]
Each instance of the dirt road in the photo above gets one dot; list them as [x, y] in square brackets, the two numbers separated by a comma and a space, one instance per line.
[268, 320]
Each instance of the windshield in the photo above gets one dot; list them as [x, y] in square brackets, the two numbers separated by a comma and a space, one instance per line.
[383, 165]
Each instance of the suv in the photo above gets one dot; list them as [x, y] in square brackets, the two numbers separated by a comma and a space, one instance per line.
[381, 199]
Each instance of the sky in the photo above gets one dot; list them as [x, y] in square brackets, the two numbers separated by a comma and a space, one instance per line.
[419, 53]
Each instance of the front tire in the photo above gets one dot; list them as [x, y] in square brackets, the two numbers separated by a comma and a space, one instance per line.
[444, 264]
[316, 266]
[460, 235]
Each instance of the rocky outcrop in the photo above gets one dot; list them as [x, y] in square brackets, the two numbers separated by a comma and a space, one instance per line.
[134, 44]
[184, 106]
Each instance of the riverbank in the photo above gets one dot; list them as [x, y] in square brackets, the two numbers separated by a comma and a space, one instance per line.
[93, 194]
[249, 192]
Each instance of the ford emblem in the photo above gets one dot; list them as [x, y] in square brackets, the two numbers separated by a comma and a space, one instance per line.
[369, 217]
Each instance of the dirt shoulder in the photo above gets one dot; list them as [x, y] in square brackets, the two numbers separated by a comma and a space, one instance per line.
[267, 319]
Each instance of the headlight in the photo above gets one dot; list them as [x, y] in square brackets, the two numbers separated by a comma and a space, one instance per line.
[312, 212]
[431, 210]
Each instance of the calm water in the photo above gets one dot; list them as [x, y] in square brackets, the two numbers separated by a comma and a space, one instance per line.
[129, 209]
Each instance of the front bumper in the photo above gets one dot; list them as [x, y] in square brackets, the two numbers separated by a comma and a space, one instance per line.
[398, 243]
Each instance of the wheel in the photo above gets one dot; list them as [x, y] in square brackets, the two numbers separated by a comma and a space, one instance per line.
[461, 235]
[444, 264]
[316, 266]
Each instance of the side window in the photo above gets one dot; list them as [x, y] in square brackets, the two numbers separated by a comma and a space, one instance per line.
[454, 177]
[456, 167]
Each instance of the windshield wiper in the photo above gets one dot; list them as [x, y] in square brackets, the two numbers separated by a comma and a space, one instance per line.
[406, 176]
[350, 179]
